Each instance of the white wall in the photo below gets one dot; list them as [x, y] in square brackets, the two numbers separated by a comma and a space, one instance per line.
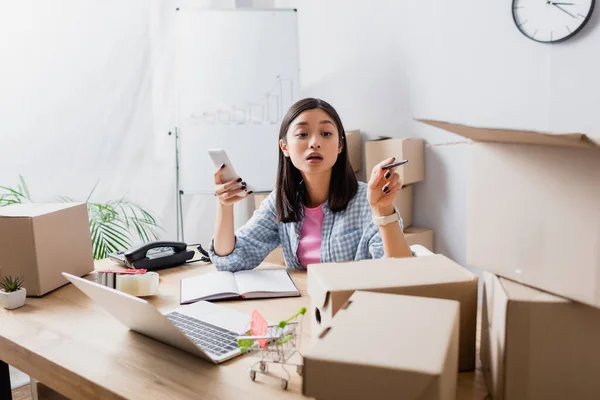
[86, 95]
[86, 98]
[383, 63]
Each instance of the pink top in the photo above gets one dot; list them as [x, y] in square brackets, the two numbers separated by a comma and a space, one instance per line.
[309, 247]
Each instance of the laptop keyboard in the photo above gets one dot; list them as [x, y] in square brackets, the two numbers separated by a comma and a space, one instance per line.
[212, 339]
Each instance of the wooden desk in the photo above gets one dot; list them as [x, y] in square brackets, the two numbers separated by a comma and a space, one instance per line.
[73, 346]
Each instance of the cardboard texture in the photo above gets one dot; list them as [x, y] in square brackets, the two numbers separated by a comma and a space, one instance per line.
[533, 211]
[517, 136]
[39, 241]
[411, 149]
[407, 349]
[258, 199]
[331, 284]
[276, 257]
[404, 203]
[419, 235]
[535, 345]
[354, 144]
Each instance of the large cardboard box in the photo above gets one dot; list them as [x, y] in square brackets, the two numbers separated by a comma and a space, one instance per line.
[535, 345]
[411, 149]
[407, 349]
[354, 149]
[419, 235]
[534, 209]
[39, 241]
[404, 203]
[331, 284]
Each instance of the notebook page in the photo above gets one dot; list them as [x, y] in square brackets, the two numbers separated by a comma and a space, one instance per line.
[208, 286]
[265, 281]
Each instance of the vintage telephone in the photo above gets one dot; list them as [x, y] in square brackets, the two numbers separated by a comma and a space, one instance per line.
[157, 255]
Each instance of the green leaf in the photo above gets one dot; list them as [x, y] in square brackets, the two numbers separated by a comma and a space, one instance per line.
[66, 199]
[108, 237]
[11, 284]
[92, 192]
[25, 188]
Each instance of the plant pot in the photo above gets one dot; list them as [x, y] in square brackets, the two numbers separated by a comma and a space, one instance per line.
[11, 300]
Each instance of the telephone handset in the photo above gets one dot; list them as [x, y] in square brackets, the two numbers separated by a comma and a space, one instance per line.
[154, 255]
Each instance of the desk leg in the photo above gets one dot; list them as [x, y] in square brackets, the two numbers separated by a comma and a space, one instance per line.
[5, 391]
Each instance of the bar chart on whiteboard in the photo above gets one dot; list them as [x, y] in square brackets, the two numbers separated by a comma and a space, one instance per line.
[236, 75]
[267, 110]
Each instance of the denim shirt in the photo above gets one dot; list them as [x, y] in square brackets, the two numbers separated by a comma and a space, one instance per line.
[348, 235]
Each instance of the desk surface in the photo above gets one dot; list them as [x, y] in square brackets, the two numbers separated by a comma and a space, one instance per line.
[73, 346]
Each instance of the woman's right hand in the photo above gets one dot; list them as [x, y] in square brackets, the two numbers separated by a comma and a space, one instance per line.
[223, 189]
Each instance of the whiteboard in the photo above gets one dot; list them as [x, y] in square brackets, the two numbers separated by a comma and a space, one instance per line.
[236, 75]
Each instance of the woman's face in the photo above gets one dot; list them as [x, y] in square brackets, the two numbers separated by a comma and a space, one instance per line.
[312, 142]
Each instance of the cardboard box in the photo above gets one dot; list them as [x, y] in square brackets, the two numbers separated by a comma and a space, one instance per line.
[419, 235]
[404, 203]
[411, 149]
[354, 149]
[276, 257]
[331, 284]
[534, 210]
[258, 199]
[535, 345]
[39, 241]
[407, 349]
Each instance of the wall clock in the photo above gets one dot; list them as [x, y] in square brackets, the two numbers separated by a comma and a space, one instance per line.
[549, 21]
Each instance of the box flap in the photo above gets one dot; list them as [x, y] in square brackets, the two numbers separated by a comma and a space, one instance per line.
[33, 210]
[519, 292]
[406, 333]
[318, 294]
[517, 136]
[387, 273]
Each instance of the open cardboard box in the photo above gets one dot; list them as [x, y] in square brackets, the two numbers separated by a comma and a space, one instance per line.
[407, 349]
[534, 208]
[535, 345]
[330, 285]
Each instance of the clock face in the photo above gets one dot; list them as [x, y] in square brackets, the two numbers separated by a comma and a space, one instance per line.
[551, 21]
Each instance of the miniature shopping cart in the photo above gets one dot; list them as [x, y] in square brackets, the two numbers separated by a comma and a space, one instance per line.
[275, 345]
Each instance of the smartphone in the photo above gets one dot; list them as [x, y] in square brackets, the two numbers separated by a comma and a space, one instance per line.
[219, 157]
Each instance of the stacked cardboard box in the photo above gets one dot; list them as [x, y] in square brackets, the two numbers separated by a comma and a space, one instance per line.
[408, 349]
[411, 149]
[353, 141]
[331, 284]
[535, 345]
[534, 219]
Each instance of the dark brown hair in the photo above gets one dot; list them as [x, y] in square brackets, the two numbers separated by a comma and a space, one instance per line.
[290, 190]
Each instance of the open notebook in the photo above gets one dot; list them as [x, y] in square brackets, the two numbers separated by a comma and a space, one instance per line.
[254, 284]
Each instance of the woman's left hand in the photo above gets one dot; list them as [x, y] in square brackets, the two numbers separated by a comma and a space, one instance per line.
[383, 187]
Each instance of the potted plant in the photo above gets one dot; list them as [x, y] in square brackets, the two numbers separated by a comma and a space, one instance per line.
[12, 294]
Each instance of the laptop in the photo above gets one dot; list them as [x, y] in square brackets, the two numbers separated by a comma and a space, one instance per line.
[204, 329]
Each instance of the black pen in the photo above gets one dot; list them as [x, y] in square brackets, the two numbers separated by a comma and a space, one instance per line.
[392, 165]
